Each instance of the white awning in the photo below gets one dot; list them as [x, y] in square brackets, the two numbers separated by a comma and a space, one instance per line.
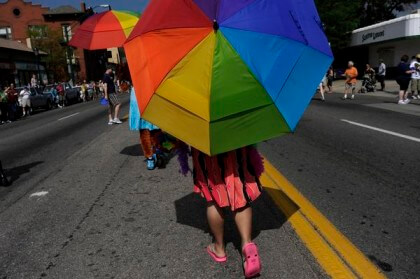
[398, 28]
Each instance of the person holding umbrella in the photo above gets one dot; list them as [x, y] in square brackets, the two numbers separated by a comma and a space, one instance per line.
[222, 78]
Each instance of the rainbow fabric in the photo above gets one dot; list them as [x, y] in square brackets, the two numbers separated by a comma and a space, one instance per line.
[223, 74]
[105, 30]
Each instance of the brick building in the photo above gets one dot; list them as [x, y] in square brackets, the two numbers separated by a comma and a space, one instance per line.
[18, 16]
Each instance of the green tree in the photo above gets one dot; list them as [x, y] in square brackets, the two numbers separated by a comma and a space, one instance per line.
[374, 11]
[48, 40]
[339, 18]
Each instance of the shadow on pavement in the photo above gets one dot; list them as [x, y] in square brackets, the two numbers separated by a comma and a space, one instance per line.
[15, 173]
[133, 150]
[191, 211]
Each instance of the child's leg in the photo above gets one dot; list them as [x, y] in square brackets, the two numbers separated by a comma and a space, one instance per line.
[216, 222]
[155, 134]
[243, 220]
[146, 143]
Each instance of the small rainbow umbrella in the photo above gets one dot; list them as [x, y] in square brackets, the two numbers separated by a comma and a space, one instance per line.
[223, 74]
[105, 30]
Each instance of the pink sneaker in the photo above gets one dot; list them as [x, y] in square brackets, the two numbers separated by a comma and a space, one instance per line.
[252, 262]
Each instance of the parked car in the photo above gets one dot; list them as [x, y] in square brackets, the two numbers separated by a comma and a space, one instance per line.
[72, 94]
[39, 99]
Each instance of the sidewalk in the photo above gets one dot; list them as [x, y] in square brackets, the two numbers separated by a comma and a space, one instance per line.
[120, 221]
[391, 88]
[387, 100]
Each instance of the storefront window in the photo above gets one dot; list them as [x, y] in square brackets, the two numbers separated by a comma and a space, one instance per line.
[67, 34]
[6, 32]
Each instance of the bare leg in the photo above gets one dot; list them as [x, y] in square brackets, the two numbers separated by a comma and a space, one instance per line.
[321, 90]
[402, 93]
[216, 222]
[110, 109]
[117, 110]
[406, 95]
[345, 93]
[243, 220]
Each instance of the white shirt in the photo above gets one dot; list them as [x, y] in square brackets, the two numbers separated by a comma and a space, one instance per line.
[25, 93]
[382, 69]
[415, 65]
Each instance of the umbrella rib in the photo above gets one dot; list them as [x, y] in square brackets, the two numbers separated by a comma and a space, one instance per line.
[180, 107]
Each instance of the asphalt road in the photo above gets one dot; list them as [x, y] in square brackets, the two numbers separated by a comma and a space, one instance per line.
[82, 205]
[365, 181]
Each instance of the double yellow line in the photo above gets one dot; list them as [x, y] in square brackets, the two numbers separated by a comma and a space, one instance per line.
[333, 251]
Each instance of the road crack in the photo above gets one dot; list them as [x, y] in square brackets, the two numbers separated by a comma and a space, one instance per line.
[70, 237]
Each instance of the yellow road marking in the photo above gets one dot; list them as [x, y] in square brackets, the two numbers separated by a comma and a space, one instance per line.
[333, 251]
[125, 117]
[323, 253]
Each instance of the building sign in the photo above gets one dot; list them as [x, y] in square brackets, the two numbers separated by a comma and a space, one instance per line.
[398, 28]
[371, 36]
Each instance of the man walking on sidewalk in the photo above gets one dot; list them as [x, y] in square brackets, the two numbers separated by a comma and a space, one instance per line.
[351, 80]
[381, 74]
[415, 77]
[111, 96]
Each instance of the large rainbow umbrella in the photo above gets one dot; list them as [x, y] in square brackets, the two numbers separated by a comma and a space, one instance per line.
[105, 30]
[223, 74]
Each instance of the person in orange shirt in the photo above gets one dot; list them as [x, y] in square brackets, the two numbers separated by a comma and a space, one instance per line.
[351, 80]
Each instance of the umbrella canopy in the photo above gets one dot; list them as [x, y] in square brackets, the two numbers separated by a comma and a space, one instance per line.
[105, 30]
[223, 74]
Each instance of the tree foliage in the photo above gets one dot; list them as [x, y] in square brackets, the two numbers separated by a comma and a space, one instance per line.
[48, 40]
[374, 11]
[340, 17]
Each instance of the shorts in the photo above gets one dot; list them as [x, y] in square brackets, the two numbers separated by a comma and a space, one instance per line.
[415, 85]
[25, 102]
[113, 99]
[351, 86]
[330, 81]
[403, 83]
[380, 78]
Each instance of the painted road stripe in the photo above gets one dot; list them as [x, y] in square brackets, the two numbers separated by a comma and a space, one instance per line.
[39, 194]
[68, 116]
[333, 251]
[382, 130]
[320, 249]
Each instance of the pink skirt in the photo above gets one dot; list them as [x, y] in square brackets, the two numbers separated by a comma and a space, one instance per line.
[229, 179]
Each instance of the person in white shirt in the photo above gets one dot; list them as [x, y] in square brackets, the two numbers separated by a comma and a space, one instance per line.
[381, 74]
[34, 81]
[415, 77]
[24, 101]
